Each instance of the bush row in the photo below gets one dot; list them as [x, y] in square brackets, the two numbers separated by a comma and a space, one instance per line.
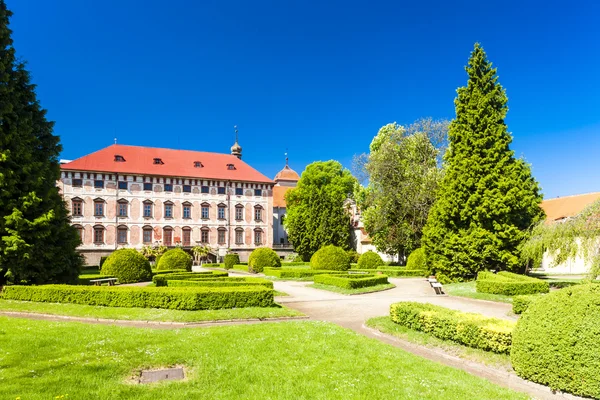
[294, 263]
[145, 297]
[161, 280]
[473, 330]
[297, 272]
[221, 282]
[509, 284]
[351, 281]
[522, 302]
[395, 271]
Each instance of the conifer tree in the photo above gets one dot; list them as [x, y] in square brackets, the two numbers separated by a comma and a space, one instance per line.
[37, 242]
[487, 199]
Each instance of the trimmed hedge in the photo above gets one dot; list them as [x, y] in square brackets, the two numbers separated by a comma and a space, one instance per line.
[351, 281]
[221, 282]
[173, 271]
[128, 266]
[331, 258]
[174, 259]
[161, 280]
[262, 258]
[509, 284]
[295, 273]
[473, 330]
[85, 279]
[230, 260]
[197, 298]
[395, 272]
[294, 264]
[416, 259]
[521, 303]
[557, 341]
[370, 260]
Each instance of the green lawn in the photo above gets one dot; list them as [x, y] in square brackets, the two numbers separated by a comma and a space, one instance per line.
[370, 289]
[146, 314]
[467, 289]
[292, 360]
[386, 325]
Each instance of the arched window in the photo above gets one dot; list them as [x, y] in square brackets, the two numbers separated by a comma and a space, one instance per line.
[187, 210]
[147, 234]
[204, 210]
[187, 236]
[99, 207]
[221, 235]
[122, 206]
[239, 212]
[168, 236]
[239, 236]
[258, 237]
[204, 235]
[148, 208]
[77, 207]
[79, 230]
[98, 234]
[122, 234]
[221, 211]
[168, 209]
[258, 212]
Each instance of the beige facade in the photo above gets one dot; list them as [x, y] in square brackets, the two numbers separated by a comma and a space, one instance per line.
[129, 211]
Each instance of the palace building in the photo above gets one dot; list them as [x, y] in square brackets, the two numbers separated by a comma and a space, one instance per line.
[132, 196]
[285, 180]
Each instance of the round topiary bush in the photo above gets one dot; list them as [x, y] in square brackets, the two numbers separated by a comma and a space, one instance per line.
[370, 260]
[416, 259]
[174, 259]
[230, 260]
[331, 258]
[262, 258]
[128, 266]
[557, 341]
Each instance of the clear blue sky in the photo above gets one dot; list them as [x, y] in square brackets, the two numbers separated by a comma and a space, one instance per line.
[317, 77]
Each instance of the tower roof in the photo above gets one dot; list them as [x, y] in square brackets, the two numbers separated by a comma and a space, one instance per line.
[287, 174]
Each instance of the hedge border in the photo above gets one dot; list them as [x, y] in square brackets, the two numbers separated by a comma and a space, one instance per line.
[395, 272]
[351, 281]
[221, 282]
[295, 273]
[509, 284]
[521, 303]
[161, 280]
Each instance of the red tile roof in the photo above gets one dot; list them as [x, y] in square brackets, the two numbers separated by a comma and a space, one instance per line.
[175, 163]
[279, 195]
[568, 206]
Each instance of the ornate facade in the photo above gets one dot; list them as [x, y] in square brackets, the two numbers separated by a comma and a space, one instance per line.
[131, 196]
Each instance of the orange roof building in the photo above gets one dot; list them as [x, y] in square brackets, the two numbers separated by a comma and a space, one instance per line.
[285, 180]
[562, 208]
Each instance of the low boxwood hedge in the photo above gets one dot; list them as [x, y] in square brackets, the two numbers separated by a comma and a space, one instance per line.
[295, 273]
[473, 330]
[183, 298]
[221, 282]
[509, 284]
[557, 341]
[230, 260]
[351, 281]
[173, 271]
[370, 260]
[294, 264]
[394, 271]
[161, 280]
[522, 302]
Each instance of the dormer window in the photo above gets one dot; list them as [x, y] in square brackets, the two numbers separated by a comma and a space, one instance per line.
[230, 166]
[158, 161]
[198, 164]
[119, 158]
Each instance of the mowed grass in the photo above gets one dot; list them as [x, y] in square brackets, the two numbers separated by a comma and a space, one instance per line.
[291, 360]
[467, 289]
[386, 325]
[147, 314]
[370, 289]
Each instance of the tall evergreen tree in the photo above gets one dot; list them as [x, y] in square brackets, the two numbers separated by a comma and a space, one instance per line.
[487, 199]
[316, 215]
[37, 242]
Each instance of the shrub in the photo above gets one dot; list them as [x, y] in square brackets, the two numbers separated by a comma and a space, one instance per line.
[197, 298]
[473, 330]
[416, 259]
[161, 279]
[351, 281]
[390, 271]
[262, 258]
[171, 271]
[102, 260]
[128, 266]
[370, 260]
[353, 256]
[521, 303]
[295, 264]
[557, 341]
[297, 273]
[230, 260]
[331, 258]
[174, 259]
[221, 282]
[509, 284]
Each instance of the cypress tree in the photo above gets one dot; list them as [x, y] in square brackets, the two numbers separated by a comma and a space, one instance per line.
[487, 199]
[37, 242]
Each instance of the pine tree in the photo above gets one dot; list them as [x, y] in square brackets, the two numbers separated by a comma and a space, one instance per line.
[487, 199]
[37, 241]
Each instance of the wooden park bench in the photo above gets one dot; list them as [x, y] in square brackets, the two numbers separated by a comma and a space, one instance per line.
[436, 285]
[98, 282]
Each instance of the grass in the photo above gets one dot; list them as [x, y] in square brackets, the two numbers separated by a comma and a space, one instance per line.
[386, 325]
[278, 293]
[467, 289]
[370, 289]
[146, 314]
[292, 360]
